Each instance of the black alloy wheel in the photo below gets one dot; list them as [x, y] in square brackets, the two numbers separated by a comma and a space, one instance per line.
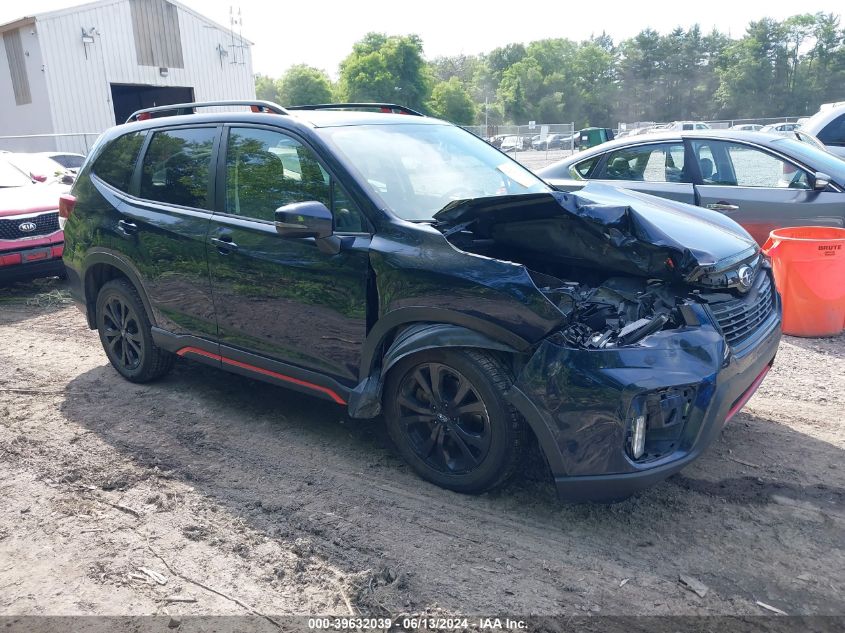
[122, 333]
[125, 333]
[444, 418]
[446, 414]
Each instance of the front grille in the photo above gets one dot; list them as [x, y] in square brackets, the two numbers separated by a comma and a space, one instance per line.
[739, 318]
[45, 224]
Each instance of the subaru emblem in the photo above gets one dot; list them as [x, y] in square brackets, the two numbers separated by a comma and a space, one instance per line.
[26, 227]
[746, 277]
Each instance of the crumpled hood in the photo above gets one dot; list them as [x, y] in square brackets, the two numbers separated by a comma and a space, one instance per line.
[30, 198]
[616, 229]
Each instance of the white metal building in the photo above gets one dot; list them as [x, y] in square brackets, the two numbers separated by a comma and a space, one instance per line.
[85, 68]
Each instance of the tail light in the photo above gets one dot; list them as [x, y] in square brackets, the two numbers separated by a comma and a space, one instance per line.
[67, 203]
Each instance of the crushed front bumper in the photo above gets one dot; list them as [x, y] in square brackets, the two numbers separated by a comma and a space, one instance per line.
[579, 402]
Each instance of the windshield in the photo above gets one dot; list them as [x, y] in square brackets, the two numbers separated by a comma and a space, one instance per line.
[10, 176]
[813, 157]
[36, 165]
[419, 169]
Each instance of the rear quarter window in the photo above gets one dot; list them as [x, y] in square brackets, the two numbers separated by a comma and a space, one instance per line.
[117, 162]
[580, 171]
[834, 132]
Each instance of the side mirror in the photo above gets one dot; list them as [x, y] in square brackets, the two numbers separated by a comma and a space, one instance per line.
[304, 219]
[820, 181]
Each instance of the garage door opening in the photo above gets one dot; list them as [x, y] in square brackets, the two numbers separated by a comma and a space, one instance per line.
[128, 98]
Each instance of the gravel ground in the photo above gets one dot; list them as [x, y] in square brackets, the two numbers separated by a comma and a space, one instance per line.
[242, 496]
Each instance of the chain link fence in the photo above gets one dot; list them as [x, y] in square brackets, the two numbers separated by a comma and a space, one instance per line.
[642, 127]
[74, 142]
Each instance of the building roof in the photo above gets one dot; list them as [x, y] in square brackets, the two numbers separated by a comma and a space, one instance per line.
[47, 15]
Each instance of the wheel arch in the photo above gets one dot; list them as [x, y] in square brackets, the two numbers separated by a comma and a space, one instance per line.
[395, 338]
[101, 267]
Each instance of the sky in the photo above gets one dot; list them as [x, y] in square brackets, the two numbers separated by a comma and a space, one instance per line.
[321, 33]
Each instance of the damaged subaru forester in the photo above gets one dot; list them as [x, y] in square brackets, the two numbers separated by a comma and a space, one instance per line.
[396, 264]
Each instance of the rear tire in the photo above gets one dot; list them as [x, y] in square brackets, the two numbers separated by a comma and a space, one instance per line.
[125, 333]
[446, 414]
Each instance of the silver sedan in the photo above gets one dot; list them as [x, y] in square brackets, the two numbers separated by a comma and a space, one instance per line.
[763, 181]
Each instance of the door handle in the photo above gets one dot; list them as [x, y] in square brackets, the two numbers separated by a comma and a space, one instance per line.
[723, 206]
[224, 244]
[127, 228]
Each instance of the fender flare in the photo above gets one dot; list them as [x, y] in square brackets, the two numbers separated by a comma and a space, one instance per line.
[365, 399]
[103, 256]
[424, 336]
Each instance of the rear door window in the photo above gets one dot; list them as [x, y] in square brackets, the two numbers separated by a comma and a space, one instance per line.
[663, 162]
[177, 167]
[117, 162]
[580, 171]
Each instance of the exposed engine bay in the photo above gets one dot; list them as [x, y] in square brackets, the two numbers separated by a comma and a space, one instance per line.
[621, 311]
[617, 273]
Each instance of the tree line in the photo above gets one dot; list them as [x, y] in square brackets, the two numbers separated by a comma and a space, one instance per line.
[777, 68]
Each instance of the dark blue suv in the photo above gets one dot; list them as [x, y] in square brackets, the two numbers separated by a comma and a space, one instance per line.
[393, 263]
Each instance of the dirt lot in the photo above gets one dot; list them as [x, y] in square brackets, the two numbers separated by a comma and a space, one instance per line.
[240, 496]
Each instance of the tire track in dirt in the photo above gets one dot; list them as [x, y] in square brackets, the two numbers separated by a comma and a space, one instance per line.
[295, 470]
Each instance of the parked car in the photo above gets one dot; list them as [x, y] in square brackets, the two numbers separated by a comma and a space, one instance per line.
[69, 160]
[680, 126]
[40, 167]
[31, 242]
[513, 143]
[780, 128]
[747, 127]
[763, 181]
[405, 266]
[828, 125]
[554, 141]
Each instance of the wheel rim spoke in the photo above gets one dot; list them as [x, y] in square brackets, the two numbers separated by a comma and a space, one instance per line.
[409, 420]
[424, 383]
[466, 438]
[461, 394]
[436, 372]
[413, 405]
[462, 446]
[425, 449]
[472, 407]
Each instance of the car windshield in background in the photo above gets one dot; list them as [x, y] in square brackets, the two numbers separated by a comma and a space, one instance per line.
[419, 169]
[820, 160]
[10, 176]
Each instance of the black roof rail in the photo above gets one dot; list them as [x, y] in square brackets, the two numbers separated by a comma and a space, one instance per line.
[189, 108]
[382, 107]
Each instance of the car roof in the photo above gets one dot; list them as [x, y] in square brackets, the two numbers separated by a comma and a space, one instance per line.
[302, 119]
[759, 138]
[815, 123]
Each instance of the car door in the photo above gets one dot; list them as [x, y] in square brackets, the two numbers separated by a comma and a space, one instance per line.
[654, 168]
[281, 300]
[162, 226]
[760, 190]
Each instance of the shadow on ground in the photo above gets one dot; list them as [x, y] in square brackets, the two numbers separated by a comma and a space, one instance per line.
[294, 466]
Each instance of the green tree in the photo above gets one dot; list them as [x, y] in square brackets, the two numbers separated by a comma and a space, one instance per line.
[303, 84]
[386, 68]
[451, 101]
[266, 88]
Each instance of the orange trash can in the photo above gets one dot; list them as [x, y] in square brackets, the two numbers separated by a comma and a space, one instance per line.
[809, 267]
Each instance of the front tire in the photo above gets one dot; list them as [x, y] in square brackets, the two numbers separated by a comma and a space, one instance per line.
[124, 329]
[446, 414]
